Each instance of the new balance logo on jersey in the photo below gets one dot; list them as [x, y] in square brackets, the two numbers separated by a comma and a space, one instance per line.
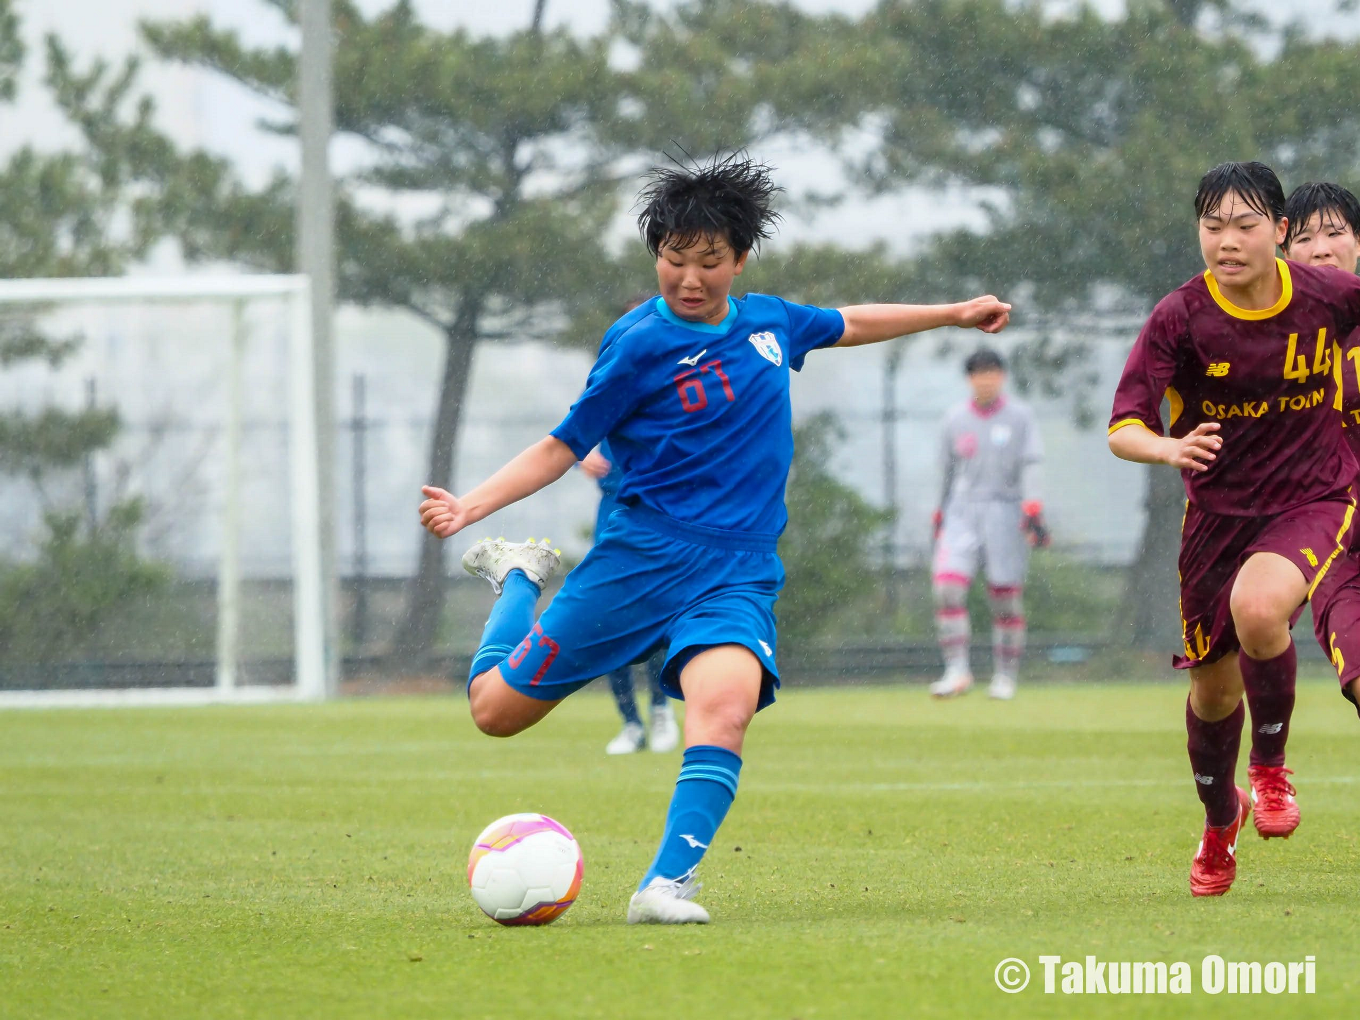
[1204, 780]
[1271, 727]
[691, 362]
[768, 347]
[1312, 557]
[694, 844]
[767, 649]
[1218, 369]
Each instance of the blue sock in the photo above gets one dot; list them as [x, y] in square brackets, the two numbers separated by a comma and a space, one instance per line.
[703, 793]
[511, 618]
[621, 685]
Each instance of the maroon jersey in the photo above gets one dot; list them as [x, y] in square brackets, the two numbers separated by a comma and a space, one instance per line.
[1350, 392]
[1269, 377]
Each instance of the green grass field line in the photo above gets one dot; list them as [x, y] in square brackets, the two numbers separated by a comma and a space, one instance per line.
[310, 861]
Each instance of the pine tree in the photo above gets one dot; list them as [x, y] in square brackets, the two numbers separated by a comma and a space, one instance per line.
[524, 146]
[1092, 132]
[71, 213]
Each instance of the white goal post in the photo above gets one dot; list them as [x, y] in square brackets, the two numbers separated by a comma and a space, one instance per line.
[237, 293]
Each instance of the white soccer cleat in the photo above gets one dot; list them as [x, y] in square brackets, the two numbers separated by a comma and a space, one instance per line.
[631, 739]
[952, 684]
[1002, 687]
[667, 901]
[665, 732]
[494, 558]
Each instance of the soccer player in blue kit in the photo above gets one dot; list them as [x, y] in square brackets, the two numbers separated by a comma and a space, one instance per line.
[691, 390]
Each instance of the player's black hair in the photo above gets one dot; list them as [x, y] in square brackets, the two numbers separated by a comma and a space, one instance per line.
[984, 359]
[1331, 203]
[728, 197]
[1255, 182]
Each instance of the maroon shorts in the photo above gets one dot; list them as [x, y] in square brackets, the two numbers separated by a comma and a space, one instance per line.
[1214, 546]
[1336, 619]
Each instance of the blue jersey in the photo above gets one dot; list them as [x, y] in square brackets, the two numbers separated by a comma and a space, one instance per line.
[609, 484]
[697, 416]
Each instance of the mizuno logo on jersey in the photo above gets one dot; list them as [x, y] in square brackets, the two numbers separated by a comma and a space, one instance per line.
[767, 648]
[768, 347]
[1218, 369]
[694, 844]
[691, 362]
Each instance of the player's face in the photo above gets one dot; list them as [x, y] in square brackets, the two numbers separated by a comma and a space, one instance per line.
[695, 281]
[1326, 240]
[987, 386]
[1238, 243]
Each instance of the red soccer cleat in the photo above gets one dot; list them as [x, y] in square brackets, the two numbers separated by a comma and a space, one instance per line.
[1272, 800]
[1215, 864]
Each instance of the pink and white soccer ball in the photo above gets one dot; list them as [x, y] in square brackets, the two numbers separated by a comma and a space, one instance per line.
[525, 869]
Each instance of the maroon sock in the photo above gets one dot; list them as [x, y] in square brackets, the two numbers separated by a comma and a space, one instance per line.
[1270, 694]
[1213, 750]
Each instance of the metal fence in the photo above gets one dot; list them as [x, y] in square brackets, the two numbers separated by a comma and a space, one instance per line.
[889, 414]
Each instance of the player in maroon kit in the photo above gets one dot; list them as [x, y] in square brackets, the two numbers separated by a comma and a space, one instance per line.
[1324, 230]
[1246, 355]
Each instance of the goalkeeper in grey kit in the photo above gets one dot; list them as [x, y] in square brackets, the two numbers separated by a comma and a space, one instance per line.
[990, 514]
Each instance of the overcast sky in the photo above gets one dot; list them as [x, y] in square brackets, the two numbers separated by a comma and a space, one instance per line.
[200, 109]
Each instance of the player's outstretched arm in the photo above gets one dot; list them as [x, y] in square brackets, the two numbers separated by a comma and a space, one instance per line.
[871, 324]
[444, 514]
[1194, 451]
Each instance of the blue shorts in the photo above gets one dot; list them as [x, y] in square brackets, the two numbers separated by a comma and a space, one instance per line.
[608, 504]
[652, 582]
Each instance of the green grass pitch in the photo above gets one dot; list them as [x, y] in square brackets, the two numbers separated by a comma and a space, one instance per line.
[884, 854]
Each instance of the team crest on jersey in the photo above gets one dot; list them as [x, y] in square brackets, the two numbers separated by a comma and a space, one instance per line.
[768, 347]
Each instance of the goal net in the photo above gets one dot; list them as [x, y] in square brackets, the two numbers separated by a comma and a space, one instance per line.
[159, 538]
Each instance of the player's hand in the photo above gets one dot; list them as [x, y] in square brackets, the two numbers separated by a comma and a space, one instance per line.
[937, 525]
[1197, 450]
[595, 465]
[441, 514]
[1036, 531]
[986, 313]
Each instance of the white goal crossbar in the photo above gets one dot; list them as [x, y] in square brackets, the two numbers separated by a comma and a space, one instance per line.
[309, 653]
